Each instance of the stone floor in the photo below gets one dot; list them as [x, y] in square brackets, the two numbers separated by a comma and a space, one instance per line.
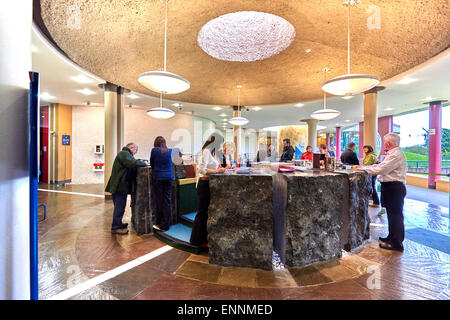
[75, 245]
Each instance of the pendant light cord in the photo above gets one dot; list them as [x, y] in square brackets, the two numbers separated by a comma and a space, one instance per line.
[348, 40]
[165, 36]
[160, 99]
[325, 70]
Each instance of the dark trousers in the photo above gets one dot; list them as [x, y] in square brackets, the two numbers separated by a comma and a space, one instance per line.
[120, 201]
[199, 234]
[374, 190]
[393, 197]
[163, 203]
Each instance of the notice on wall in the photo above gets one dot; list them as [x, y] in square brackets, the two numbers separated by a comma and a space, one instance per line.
[66, 140]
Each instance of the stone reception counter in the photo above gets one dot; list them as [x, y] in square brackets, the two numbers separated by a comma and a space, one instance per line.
[304, 216]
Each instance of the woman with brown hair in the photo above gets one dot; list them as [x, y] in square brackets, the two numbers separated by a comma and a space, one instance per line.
[369, 159]
[162, 181]
[207, 164]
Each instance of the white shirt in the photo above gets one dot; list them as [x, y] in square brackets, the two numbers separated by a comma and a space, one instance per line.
[206, 161]
[392, 168]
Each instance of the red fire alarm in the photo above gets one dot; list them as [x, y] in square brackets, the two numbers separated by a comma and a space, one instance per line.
[98, 166]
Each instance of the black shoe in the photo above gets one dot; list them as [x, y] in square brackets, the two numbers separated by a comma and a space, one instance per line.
[384, 239]
[389, 246]
[123, 226]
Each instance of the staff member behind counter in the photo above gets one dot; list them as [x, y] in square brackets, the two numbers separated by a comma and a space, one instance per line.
[208, 163]
[227, 157]
[288, 151]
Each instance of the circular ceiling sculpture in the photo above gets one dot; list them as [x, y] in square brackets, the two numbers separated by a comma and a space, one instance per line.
[245, 36]
[118, 40]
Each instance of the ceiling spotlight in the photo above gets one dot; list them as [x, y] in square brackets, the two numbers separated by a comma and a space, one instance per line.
[46, 96]
[406, 80]
[428, 99]
[86, 92]
[132, 96]
[388, 109]
[308, 50]
[222, 115]
[347, 120]
[256, 108]
[350, 84]
[299, 105]
[81, 79]
[163, 81]
[217, 108]
[347, 97]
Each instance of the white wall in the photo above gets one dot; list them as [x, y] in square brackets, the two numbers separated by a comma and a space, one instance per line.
[184, 131]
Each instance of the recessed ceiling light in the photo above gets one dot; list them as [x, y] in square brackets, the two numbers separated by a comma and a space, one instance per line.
[217, 108]
[81, 79]
[46, 96]
[388, 109]
[347, 120]
[256, 108]
[308, 50]
[177, 105]
[347, 97]
[299, 105]
[34, 49]
[133, 96]
[86, 91]
[222, 115]
[427, 99]
[406, 80]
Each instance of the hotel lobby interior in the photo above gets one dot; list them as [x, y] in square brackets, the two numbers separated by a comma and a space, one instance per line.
[81, 79]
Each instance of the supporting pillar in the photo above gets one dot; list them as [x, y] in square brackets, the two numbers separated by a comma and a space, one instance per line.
[312, 132]
[385, 126]
[371, 117]
[327, 139]
[361, 140]
[237, 132]
[15, 63]
[338, 143]
[114, 126]
[434, 142]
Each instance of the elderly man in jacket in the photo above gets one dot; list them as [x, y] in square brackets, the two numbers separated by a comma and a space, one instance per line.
[119, 184]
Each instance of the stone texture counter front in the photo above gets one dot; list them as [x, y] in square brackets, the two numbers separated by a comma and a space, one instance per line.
[240, 228]
[304, 216]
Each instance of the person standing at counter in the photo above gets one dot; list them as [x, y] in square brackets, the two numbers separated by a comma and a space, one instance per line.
[207, 164]
[162, 178]
[392, 175]
[272, 154]
[349, 156]
[369, 159]
[288, 151]
[261, 154]
[323, 149]
[308, 154]
[119, 184]
[227, 157]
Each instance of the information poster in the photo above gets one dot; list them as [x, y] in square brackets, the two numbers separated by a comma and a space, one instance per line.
[299, 149]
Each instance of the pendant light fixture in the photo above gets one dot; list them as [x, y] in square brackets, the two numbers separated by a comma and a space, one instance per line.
[160, 112]
[163, 81]
[238, 121]
[325, 114]
[350, 84]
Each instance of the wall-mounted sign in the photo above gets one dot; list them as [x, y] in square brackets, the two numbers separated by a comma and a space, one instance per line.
[65, 140]
[432, 132]
[98, 166]
[99, 149]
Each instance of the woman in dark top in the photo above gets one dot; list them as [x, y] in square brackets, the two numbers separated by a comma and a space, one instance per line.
[162, 178]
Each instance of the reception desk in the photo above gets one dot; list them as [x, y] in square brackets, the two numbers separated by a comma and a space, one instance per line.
[304, 216]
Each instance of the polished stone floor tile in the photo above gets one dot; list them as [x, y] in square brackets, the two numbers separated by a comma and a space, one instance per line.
[335, 271]
[199, 271]
[274, 279]
[170, 261]
[242, 277]
[308, 275]
[170, 287]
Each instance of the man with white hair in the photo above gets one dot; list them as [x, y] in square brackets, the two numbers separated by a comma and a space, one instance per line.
[392, 175]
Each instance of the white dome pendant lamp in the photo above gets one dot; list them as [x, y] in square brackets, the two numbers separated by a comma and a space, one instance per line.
[163, 81]
[350, 84]
[238, 121]
[325, 113]
[160, 112]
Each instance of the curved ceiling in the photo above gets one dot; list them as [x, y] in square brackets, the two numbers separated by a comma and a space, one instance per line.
[117, 40]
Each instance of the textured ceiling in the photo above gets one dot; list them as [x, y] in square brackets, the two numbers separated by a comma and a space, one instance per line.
[117, 40]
